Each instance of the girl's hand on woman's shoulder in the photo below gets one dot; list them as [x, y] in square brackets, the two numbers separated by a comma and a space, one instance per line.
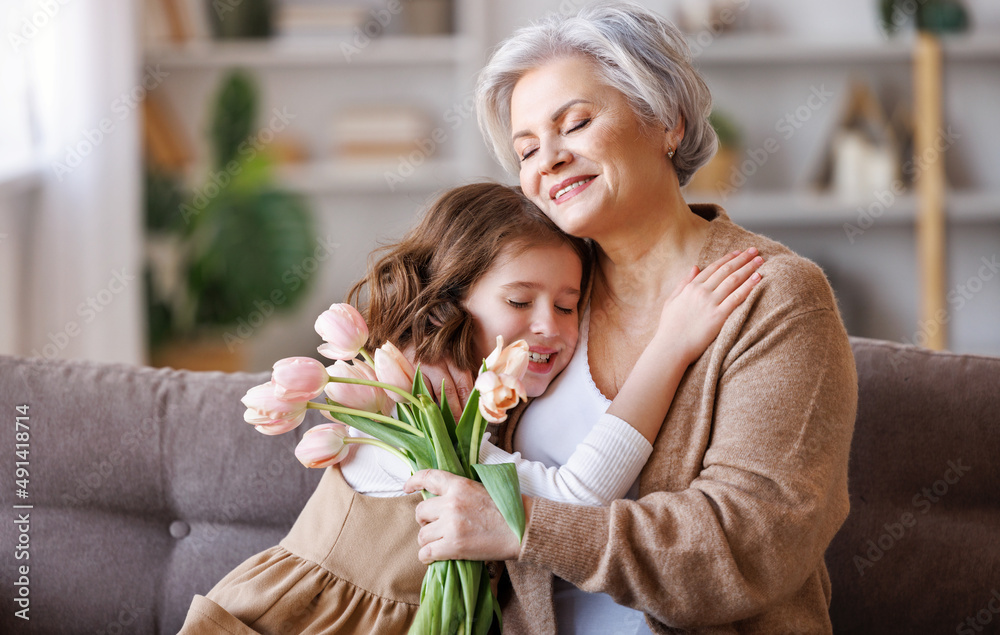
[694, 313]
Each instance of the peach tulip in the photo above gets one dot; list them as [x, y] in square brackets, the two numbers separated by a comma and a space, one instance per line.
[357, 396]
[392, 367]
[323, 445]
[297, 378]
[498, 394]
[343, 330]
[270, 414]
[512, 360]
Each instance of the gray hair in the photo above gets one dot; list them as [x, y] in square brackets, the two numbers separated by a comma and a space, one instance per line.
[636, 51]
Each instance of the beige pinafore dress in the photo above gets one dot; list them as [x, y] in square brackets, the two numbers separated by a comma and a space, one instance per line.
[348, 565]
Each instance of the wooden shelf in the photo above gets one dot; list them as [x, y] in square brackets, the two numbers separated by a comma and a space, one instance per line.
[367, 177]
[756, 49]
[362, 176]
[816, 209]
[283, 53]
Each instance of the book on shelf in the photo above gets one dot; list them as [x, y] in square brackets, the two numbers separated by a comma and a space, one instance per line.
[318, 20]
[376, 132]
[166, 145]
[176, 21]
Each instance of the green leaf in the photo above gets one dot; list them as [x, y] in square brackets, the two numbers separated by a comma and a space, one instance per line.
[469, 431]
[501, 482]
[486, 607]
[427, 621]
[452, 606]
[417, 448]
[404, 412]
[419, 386]
[444, 451]
[469, 573]
[446, 411]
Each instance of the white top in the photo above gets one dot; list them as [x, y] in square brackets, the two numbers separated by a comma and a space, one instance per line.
[574, 400]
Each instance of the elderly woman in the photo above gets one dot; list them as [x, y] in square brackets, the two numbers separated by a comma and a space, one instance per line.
[604, 119]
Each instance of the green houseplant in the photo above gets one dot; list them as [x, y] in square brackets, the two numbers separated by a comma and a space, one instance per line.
[935, 16]
[234, 240]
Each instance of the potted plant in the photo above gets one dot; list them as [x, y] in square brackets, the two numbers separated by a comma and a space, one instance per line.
[714, 177]
[935, 16]
[219, 256]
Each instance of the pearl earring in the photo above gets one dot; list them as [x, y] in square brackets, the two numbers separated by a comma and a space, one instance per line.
[670, 153]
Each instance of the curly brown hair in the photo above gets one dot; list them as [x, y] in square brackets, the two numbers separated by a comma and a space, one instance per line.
[416, 288]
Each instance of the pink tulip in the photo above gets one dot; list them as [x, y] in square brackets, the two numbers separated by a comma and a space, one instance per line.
[323, 445]
[512, 360]
[270, 414]
[392, 367]
[273, 427]
[297, 378]
[344, 331]
[497, 395]
[357, 396]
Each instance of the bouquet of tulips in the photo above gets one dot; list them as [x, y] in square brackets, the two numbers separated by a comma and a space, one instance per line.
[363, 392]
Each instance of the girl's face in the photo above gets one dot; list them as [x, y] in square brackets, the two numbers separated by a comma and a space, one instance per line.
[531, 295]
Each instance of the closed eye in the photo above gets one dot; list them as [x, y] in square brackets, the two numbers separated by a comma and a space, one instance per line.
[527, 155]
[566, 311]
[518, 305]
[578, 126]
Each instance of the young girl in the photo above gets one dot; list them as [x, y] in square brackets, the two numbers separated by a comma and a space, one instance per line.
[483, 262]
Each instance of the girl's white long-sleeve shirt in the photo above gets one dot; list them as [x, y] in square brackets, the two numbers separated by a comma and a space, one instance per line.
[601, 469]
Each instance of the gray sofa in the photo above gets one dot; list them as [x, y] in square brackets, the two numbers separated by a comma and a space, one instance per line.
[145, 488]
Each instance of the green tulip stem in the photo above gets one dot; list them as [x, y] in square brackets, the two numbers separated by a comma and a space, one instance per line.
[477, 435]
[376, 384]
[368, 358]
[367, 415]
[381, 444]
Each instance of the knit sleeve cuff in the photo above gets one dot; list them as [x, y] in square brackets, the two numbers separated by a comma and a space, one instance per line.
[566, 539]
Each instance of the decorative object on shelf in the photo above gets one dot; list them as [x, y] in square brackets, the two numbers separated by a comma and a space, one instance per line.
[236, 243]
[337, 21]
[166, 145]
[715, 177]
[427, 17]
[714, 16]
[863, 155]
[380, 133]
[242, 18]
[933, 16]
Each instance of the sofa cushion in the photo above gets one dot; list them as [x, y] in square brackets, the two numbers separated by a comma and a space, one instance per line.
[920, 550]
[147, 487]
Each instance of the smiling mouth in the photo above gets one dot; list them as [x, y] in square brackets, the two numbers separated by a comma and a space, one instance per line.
[539, 358]
[573, 186]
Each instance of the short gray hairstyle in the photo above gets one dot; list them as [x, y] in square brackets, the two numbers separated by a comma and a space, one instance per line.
[636, 51]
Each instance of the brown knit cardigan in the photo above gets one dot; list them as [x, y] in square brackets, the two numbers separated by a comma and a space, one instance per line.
[746, 485]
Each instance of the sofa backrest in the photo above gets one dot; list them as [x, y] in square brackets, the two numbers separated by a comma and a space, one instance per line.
[920, 550]
[146, 488]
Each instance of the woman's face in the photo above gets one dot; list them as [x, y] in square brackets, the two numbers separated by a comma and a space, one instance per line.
[531, 295]
[586, 159]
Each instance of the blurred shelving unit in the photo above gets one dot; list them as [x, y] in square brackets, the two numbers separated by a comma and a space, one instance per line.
[750, 73]
[278, 53]
[761, 79]
[359, 201]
